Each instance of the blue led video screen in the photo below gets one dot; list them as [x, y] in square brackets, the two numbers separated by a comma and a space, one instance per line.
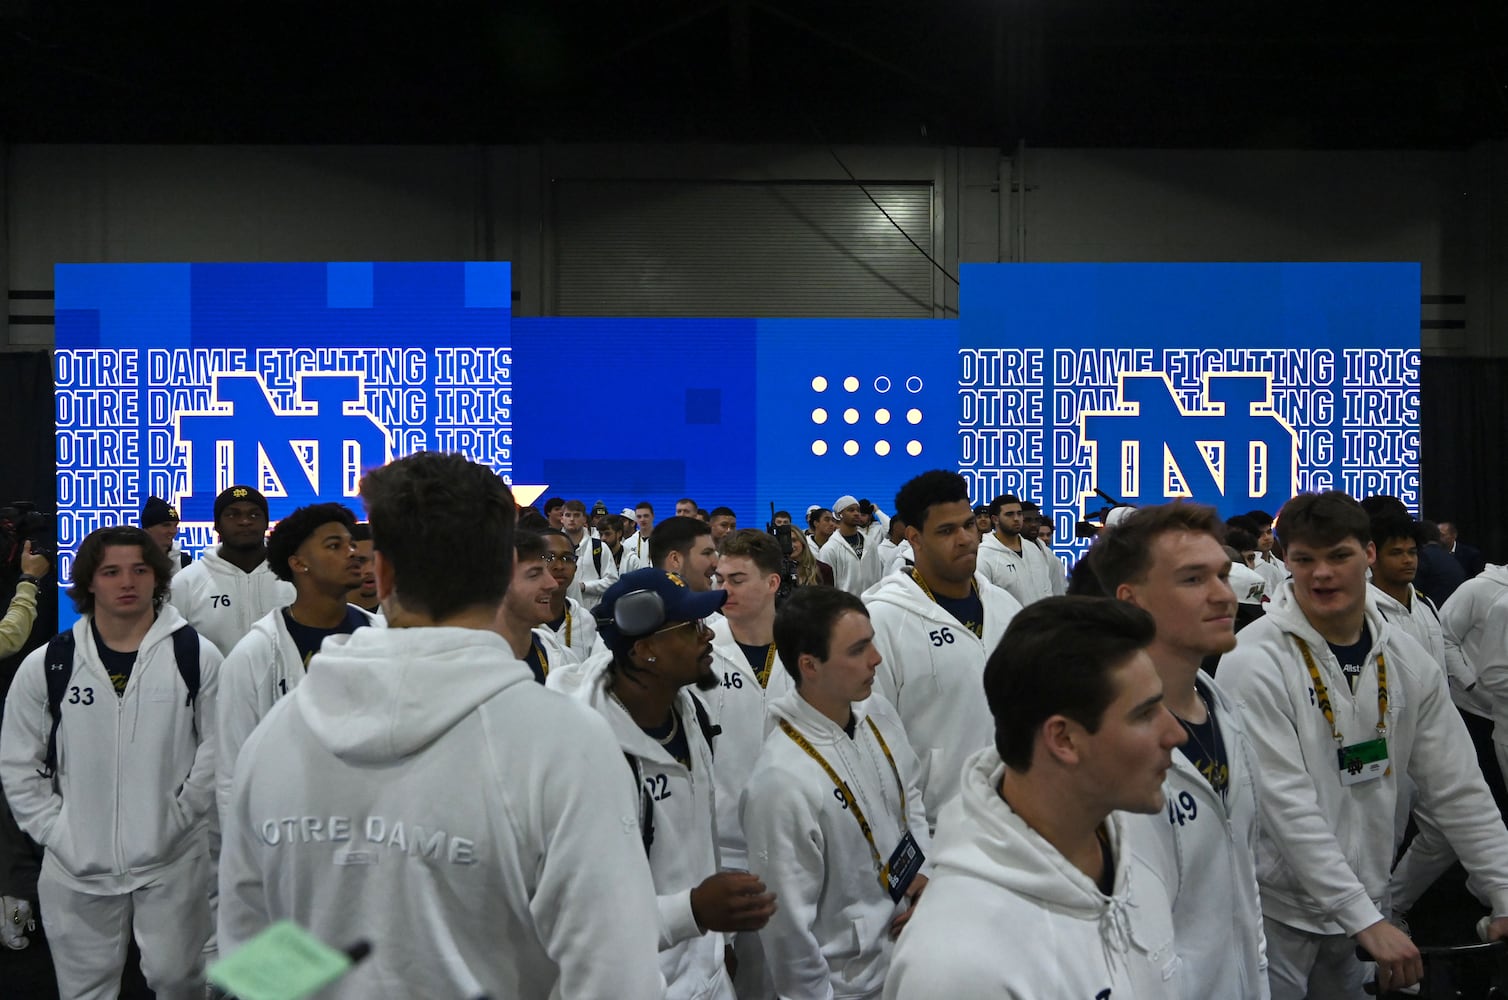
[1236, 384]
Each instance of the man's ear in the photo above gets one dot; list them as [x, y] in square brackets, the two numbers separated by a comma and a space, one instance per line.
[386, 581]
[1058, 735]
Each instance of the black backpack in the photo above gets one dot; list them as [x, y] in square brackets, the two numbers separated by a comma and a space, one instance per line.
[59, 671]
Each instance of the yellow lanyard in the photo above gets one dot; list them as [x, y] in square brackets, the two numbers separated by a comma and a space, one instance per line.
[848, 797]
[978, 628]
[568, 627]
[769, 661]
[544, 659]
[1322, 694]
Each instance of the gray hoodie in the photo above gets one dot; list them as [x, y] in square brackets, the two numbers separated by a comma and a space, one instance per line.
[418, 790]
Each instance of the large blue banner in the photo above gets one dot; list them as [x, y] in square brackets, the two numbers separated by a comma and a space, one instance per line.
[1234, 384]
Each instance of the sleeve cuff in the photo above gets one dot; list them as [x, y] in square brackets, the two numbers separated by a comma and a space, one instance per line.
[676, 922]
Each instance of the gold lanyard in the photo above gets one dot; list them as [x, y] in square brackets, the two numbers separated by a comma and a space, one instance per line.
[544, 659]
[848, 797]
[1322, 694]
[769, 661]
[568, 626]
[977, 629]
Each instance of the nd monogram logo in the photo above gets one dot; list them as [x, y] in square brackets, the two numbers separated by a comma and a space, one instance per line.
[1151, 449]
[315, 451]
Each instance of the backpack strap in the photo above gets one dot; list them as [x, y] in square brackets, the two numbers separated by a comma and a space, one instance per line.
[646, 804]
[58, 669]
[710, 732]
[186, 653]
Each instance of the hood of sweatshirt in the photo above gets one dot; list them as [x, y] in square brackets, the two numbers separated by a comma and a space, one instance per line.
[817, 727]
[1284, 611]
[899, 589]
[379, 695]
[1497, 574]
[995, 845]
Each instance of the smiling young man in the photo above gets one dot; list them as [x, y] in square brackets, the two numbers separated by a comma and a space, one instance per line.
[1168, 560]
[118, 784]
[229, 588]
[654, 624]
[1340, 703]
[526, 611]
[1037, 888]
[831, 805]
[935, 624]
[311, 549]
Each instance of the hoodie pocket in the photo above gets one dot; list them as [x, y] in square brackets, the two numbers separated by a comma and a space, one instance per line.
[79, 860]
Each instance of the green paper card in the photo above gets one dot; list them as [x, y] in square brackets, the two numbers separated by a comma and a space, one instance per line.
[284, 962]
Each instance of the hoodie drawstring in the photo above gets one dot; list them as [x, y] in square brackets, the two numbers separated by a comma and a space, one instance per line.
[1115, 930]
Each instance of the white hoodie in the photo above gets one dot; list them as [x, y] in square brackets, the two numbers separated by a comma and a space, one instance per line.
[932, 671]
[1205, 847]
[136, 773]
[262, 667]
[578, 632]
[222, 601]
[1025, 574]
[1007, 917]
[420, 791]
[590, 584]
[1326, 848]
[683, 849]
[737, 705]
[830, 935]
[1463, 618]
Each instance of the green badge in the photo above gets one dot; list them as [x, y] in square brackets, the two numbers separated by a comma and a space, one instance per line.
[284, 962]
[1363, 761]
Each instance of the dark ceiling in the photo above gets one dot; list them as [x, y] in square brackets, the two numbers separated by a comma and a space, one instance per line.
[1320, 74]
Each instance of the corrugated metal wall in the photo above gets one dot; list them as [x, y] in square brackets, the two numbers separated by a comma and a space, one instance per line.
[740, 248]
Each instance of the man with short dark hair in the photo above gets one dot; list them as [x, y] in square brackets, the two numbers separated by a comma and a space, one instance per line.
[596, 569]
[686, 507]
[364, 596]
[636, 546]
[555, 512]
[835, 794]
[683, 545]
[116, 778]
[781, 518]
[230, 587]
[570, 620]
[311, 549]
[654, 624]
[524, 616]
[1012, 560]
[1471, 559]
[723, 523]
[1037, 888]
[1340, 705]
[418, 790]
[1168, 561]
[935, 624]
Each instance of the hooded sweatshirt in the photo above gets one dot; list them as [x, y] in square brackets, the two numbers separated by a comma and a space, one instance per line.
[830, 935]
[420, 791]
[136, 773]
[1463, 618]
[738, 706]
[1008, 916]
[1205, 844]
[676, 807]
[932, 671]
[262, 667]
[1025, 574]
[1326, 848]
[222, 601]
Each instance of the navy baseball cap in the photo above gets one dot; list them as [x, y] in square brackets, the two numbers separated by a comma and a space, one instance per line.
[647, 600]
